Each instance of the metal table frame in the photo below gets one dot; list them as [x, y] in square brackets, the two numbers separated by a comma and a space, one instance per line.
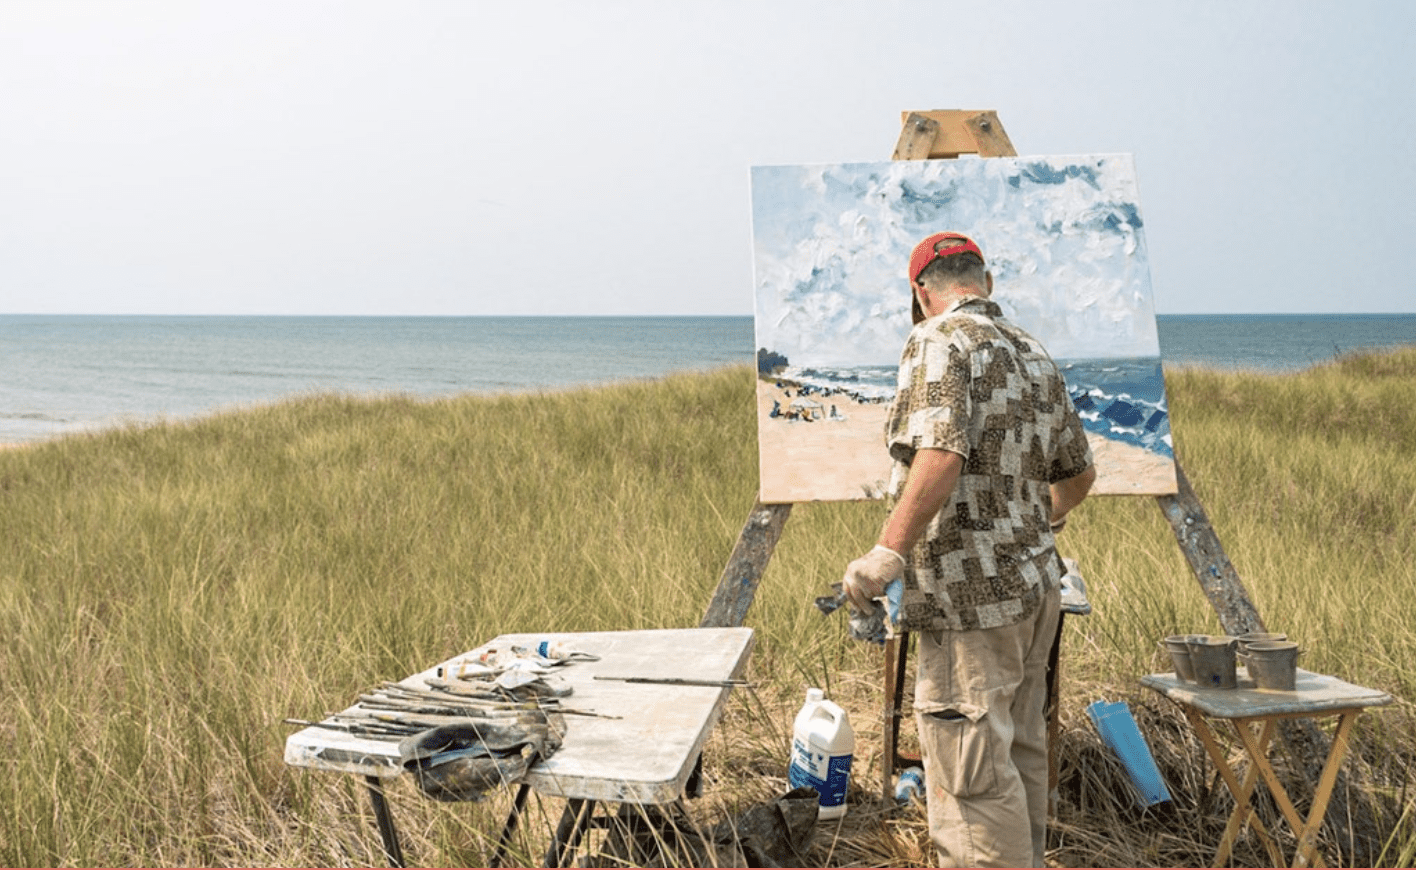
[1254, 714]
[665, 725]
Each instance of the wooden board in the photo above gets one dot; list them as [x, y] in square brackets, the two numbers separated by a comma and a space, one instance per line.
[644, 756]
[958, 131]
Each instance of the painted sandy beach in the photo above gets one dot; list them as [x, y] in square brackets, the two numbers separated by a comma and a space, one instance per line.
[830, 460]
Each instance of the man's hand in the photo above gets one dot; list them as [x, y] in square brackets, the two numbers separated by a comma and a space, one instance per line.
[867, 577]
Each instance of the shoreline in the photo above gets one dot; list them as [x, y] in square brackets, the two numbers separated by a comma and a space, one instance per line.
[845, 460]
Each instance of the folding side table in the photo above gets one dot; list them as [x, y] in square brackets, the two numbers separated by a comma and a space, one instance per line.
[1254, 714]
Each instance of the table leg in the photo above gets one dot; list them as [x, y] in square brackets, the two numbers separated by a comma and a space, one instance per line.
[504, 839]
[573, 823]
[1258, 749]
[1258, 754]
[1243, 809]
[694, 786]
[387, 832]
[1307, 838]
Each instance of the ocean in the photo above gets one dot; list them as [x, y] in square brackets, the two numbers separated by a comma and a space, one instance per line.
[69, 373]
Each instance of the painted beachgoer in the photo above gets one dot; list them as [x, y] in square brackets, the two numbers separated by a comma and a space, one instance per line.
[989, 456]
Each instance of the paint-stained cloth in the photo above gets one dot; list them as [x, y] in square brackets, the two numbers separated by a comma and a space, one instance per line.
[975, 384]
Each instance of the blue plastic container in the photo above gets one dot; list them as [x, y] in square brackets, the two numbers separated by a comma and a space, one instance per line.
[1118, 730]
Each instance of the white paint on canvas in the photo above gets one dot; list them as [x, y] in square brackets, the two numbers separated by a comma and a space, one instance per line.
[1065, 241]
[832, 241]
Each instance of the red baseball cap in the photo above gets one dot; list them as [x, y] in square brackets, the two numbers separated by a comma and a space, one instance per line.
[928, 251]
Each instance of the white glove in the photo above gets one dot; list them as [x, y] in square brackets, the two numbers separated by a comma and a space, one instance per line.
[867, 577]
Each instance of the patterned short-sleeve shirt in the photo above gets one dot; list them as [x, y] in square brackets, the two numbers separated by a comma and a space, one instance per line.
[972, 383]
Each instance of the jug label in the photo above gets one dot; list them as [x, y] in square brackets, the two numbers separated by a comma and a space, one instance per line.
[828, 774]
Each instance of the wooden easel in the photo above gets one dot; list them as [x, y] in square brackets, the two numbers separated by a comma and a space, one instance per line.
[949, 134]
[926, 135]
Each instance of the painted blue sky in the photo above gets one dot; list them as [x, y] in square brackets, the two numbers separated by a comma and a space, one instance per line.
[1063, 235]
[562, 157]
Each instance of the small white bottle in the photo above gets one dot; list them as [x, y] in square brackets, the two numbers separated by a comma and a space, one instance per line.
[910, 785]
[823, 746]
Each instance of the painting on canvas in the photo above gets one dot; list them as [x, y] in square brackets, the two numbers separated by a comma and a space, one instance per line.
[1064, 240]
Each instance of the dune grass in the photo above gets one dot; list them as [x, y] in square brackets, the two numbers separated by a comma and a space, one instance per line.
[170, 593]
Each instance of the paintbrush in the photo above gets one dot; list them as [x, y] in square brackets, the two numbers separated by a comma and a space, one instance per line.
[678, 681]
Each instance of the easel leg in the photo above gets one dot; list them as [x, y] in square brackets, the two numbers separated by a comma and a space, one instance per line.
[387, 832]
[1051, 707]
[737, 585]
[897, 651]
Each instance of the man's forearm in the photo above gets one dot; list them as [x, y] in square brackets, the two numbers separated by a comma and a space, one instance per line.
[933, 475]
[1067, 494]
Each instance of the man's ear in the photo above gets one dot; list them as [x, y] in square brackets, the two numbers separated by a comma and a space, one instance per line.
[988, 279]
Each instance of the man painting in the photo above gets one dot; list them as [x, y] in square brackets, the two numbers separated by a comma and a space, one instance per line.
[989, 456]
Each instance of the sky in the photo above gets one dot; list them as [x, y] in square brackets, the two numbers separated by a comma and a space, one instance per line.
[594, 158]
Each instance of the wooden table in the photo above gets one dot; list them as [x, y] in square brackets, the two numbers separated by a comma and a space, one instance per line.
[645, 756]
[1254, 714]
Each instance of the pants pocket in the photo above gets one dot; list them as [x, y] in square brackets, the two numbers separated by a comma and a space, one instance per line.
[963, 750]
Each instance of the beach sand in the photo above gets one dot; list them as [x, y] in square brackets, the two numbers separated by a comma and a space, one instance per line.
[1125, 469]
[828, 460]
[824, 460]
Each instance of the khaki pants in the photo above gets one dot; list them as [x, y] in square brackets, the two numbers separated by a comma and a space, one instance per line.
[979, 704]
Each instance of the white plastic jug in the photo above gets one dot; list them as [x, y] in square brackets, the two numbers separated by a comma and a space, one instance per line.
[823, 746]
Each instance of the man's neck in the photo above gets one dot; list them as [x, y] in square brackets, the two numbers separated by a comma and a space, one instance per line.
[952, 296]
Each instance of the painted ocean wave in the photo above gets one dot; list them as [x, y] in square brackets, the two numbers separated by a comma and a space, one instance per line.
[1122, 399]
